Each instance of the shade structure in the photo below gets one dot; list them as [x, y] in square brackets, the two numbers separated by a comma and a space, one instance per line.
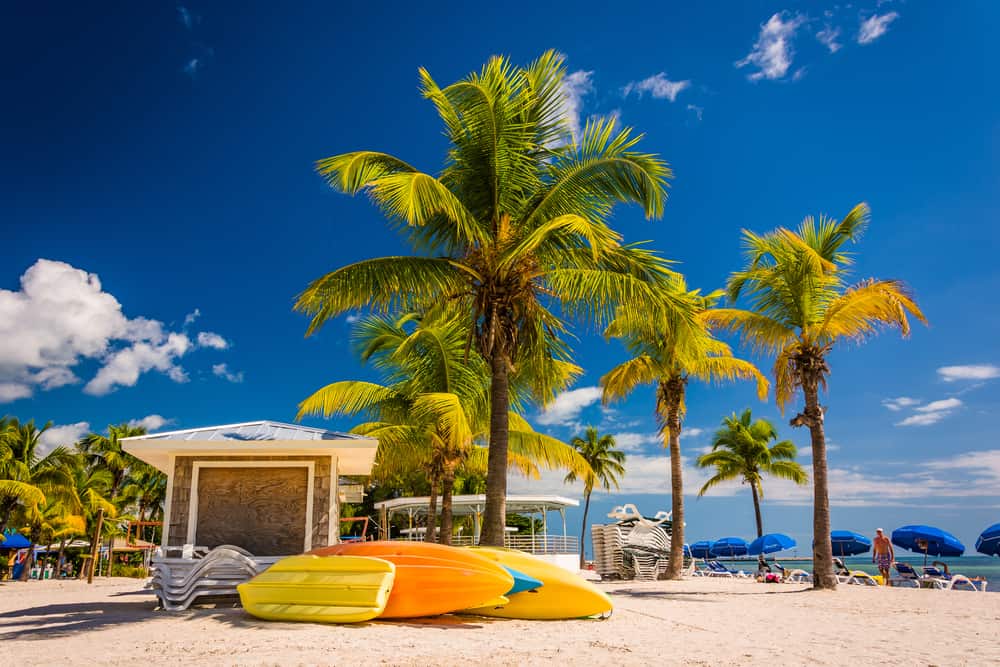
[927, 540]
[770, 543]
[989, 542]
[729, 546]
[849, 543]
[14, 541]
[701, 549]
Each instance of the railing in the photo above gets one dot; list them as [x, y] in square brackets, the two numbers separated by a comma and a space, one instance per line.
[533, 544]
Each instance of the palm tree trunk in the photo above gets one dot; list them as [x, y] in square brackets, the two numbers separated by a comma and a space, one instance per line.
[675, 394]
[432, 517]
[29, 560]
[756, 509]
[59, 558]
[95, 546]
[823, 576]
[583, 528]
[447, 486]
[495, 515]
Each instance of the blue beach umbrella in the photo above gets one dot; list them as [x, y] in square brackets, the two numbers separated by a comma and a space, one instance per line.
[849, 543]
[927, 540]
[770, 543]
[14, 541]
[989, 542]
[729, 546]
[701, 549]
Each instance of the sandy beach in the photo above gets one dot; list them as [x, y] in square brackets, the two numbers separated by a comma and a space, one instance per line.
[692, 622]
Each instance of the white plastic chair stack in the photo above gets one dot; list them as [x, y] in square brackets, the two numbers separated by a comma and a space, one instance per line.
[647, 542]
[609, 559]
[199, 573]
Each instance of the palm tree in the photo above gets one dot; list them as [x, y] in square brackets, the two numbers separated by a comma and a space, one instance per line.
[105, 452]
[672, 346]
[15, 470]
[606, 462]
[800, 307]
[145, 489]
[741, 450]
[515, 224]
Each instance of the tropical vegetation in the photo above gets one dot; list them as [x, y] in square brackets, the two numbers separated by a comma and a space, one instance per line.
[606, 468]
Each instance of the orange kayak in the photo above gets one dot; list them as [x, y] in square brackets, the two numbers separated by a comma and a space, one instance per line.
[431, 579]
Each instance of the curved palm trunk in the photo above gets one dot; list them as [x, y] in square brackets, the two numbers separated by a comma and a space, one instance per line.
[756, 509]
[447, 486]
[60, 557]
[675, 394]
[583, 528]
[432, 516]
[495, 515]
[823, 576]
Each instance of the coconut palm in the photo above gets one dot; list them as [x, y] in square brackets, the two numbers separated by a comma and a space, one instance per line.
[607, 464]
[513, 226]
[145, 490]
[671, 346]
[741, 450]
[801, 306]
[105, 452]
[15, 490]
[433, 409]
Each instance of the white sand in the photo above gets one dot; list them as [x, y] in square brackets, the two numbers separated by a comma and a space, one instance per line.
[692, 622]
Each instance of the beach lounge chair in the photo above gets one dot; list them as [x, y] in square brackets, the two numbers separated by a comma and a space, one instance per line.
[717, 569]
[906, 576]
[942, 578]
[794, 576]
[180, 582]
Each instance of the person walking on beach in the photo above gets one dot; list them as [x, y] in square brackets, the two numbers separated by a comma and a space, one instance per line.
[883, 555]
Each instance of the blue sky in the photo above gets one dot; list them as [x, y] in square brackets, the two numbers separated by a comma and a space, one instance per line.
[161, 213]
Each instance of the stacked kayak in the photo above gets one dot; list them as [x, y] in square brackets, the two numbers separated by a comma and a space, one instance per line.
[350, 583]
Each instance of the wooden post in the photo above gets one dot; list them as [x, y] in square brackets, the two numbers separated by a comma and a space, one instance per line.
[95, 546]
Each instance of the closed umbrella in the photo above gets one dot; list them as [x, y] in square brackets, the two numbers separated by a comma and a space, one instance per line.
[770, 543]
[989, 542]
[729, 546]
[927, 540]
[849, 543]
[701, 549]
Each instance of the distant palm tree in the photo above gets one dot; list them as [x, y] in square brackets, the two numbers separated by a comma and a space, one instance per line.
[515, 226]
[606, 462]
[105, 452]
[741, 450]
[801, 306]
[15, 470]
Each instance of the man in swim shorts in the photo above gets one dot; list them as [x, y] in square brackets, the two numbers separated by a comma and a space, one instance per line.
[882, 555]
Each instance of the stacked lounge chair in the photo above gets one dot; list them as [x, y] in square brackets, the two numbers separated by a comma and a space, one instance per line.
[200, 574]
[633, 548]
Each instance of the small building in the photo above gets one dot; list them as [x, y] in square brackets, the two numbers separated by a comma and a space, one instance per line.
[273, 489]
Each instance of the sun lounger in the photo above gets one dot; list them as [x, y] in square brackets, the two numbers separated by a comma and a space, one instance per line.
[717, 569]
[944, 579]
[906, 576]
[180, 582]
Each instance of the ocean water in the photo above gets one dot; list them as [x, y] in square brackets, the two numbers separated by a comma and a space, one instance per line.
[971, 566]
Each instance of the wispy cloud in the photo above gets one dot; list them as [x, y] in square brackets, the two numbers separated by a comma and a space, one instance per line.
[151, 422]
[575, 86]
[897, 404]
[192, 316]
[875, 26]
[772, 53]
[971, 372]
[828, 37]
[185, 16]
[932, 413]
[352, 318]
[698, 111]
[64, 435]
[657, 86]
[634, 442]
[567, 406]
[222, 371]
[193, 66]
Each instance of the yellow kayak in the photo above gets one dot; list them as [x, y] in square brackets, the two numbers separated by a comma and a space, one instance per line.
[320, 589]
[562, 594]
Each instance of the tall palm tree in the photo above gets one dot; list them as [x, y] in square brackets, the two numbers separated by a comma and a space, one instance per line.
[741, 449]
[15, 471]
[801, 306]
[606, 462]
[514, 225]
[145, 490]
[105, 452]
[671, 347]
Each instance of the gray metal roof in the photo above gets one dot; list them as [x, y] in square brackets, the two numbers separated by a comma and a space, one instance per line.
[249, 431]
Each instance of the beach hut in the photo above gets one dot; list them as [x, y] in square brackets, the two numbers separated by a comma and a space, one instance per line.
[273, 489]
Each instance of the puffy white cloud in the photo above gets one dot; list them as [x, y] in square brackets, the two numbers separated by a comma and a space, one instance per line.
[151, 422]
[633, 442]
[932, 413]
[897, 404]
[875, 26]
[828, 37]
[213, 340]
[567, 406]
[970, 372]
[222, 371]
[65, 435]
[658, 86]
[62, 316]
[575, 86]
[772, 53]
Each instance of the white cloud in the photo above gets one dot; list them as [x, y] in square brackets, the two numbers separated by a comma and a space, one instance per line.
[151, 422]
[124, 367]
[567, 406]
[658, 86]
[64, 435]
[932, 413]
[828, 37]
[940, 406]
[875, 26]
[12, 391]
[691, 432]
[633, 442]
[352, 318]
[970, 372]
[772, 53]
[575, 86]
[213, 340]
[193, 66]
[698, 111]
[897, 404]
[185, 16]
[192, 316]
[222, 371]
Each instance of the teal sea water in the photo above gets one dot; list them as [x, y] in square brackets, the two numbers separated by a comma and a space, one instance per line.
[971, 566]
